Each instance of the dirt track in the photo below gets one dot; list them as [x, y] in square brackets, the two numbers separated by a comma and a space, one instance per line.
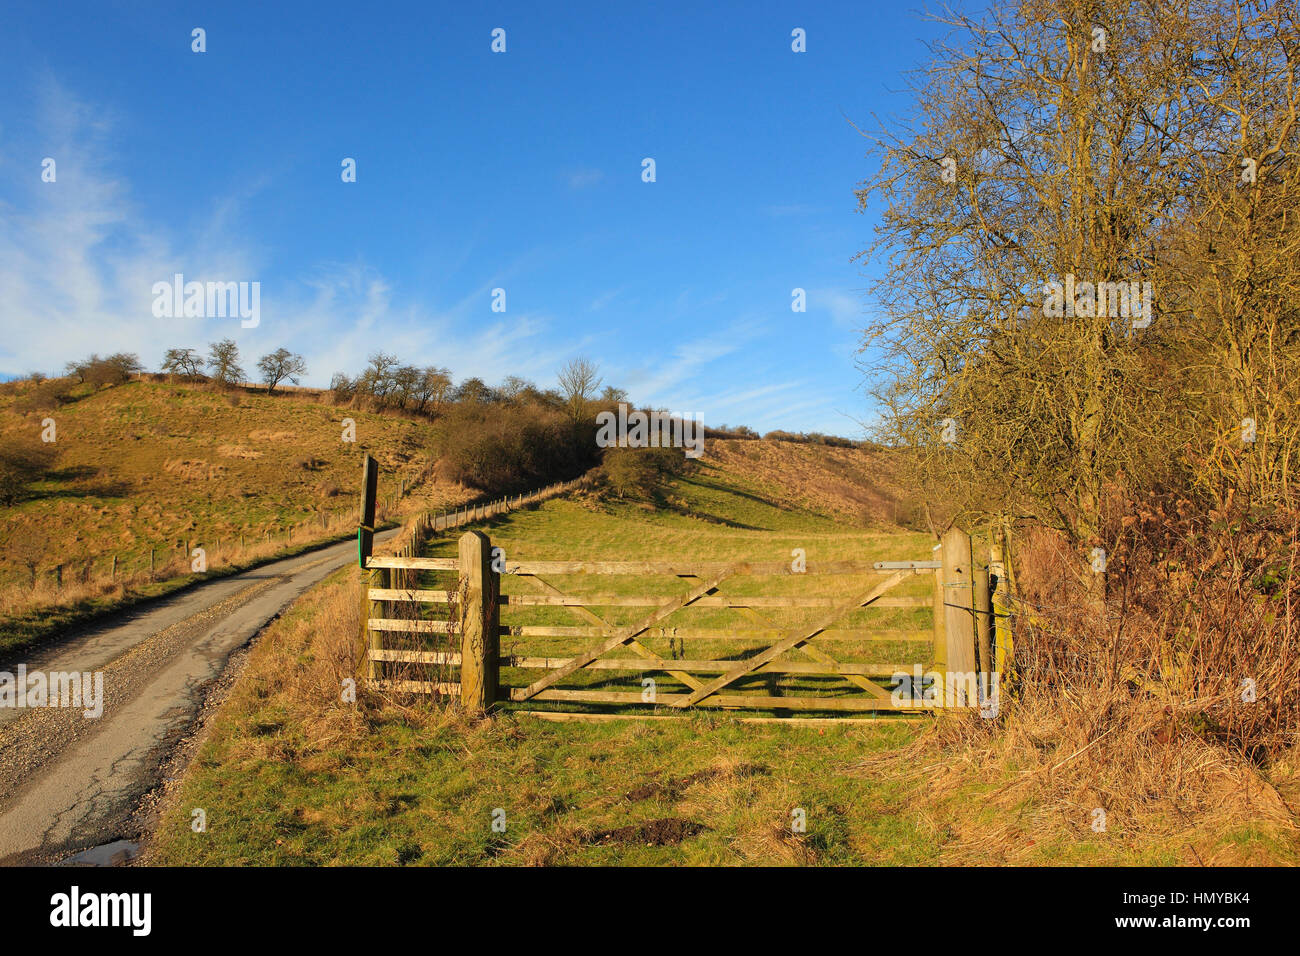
[68, 782]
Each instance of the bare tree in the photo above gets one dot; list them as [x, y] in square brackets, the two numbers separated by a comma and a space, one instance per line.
[223, 359]
[183, 363]
[377, 380]
[1063, 147]
[279, 365]
[406, 380]
[513, 387]
[432, 388]
[29, 545]
[578, 381]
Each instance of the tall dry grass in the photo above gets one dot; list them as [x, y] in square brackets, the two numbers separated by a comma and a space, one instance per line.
[1170, 701]
[1199, 616]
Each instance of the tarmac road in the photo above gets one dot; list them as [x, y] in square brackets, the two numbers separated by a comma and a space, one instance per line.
[67, 782]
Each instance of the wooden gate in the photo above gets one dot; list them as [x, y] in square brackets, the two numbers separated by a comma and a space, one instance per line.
[804, 643]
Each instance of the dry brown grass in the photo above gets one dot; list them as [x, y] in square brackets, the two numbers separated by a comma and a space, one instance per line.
[317, 649]
[157, 467]
[1134, 705]
[1025, 789]
[857, 483]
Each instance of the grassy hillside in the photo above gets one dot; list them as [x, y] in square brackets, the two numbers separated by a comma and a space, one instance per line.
[859, 484]
[290, 774]
[149, 465]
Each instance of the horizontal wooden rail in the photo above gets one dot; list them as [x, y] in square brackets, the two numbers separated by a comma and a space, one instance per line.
[410, 627]
[418, 687]
[705, 633]
[861, 703]
[415, 595]
[884, 671]
[409, 594]
[414, 657]
[623, 600]
[421, 564]
[569, 716]
[689, 569]
[769, 568]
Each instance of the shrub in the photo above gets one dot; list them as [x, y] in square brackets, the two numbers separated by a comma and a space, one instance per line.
[45, 396]
[501, 449]
[114, 370]
[21, 463]
[342, 389]
[640, 472]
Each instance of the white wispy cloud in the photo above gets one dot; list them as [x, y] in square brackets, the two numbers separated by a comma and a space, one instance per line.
[78, 260]
[846, 309]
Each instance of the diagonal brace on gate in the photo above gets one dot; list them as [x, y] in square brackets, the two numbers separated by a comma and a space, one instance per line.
[875, 690]
[621, 637]
[816, 654]
[793, 639]
[634, 645]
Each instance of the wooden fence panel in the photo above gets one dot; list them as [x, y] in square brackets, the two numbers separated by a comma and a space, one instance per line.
[965, 636]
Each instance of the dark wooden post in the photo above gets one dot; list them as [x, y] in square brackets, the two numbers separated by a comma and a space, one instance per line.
[370, 577]
[959, 617]
[983, 620]
[369, 488]
[479, 618]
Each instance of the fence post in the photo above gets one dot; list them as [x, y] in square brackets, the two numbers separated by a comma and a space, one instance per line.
[983, 622]
[959, 617]
[1001, 601]
[940, 640]
[478, 635]
[371, 640]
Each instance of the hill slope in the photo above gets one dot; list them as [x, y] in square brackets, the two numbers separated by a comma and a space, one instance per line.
[152, 467]
[858, 484]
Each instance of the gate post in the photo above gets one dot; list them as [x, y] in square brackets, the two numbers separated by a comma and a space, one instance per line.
[1001, 601]
[959, 619]
[371, 640]
[480, 587]
[983, 619]
[940, 666]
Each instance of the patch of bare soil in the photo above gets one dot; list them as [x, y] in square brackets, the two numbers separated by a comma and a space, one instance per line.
[668, 831]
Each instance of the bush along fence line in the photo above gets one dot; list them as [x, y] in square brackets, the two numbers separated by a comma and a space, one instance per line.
[451, 639]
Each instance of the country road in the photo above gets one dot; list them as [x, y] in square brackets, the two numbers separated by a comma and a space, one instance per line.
[68, 782]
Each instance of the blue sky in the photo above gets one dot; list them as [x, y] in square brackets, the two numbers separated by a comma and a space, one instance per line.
[475, 171]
